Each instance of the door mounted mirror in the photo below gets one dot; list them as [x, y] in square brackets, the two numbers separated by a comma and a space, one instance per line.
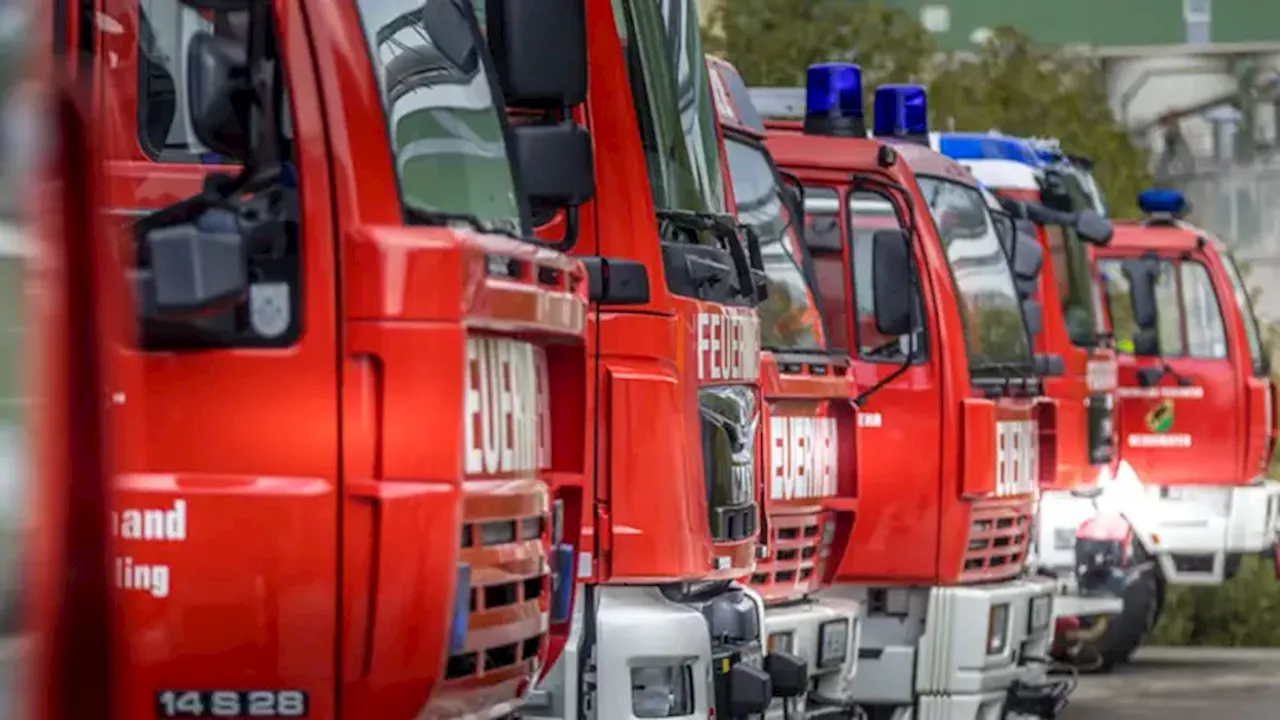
[1032, 316]
[891, 281]
[1093, 228]
[219, 94]
[540, 50]
[192, 268]
[795, 191]
[1142, 275]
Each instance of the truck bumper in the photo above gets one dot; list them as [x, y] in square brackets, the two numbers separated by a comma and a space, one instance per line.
[798, 629]
[1193, 529]
[962, 670]
[635, 627]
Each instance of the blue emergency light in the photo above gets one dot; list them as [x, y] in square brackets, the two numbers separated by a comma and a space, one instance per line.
[901, 111]
[833, 100]
[980, 146]
[1157, 201]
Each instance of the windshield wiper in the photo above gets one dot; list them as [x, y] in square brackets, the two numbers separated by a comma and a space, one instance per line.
[444, 218]
[677, 225]
[1009, 373]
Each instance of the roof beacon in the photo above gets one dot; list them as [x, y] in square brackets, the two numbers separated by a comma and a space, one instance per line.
[1162, 203]
[833, 100]
[902, 112]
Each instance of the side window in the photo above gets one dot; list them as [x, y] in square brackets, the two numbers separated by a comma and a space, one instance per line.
[869, 212]
[165, 28]
[1115, 279]
[1070, 269]
[1206, 333]
[822, 237]
[1257, 353]
[1169, 313]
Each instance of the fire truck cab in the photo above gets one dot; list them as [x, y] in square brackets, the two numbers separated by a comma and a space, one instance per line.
[1073, 347]
[359, 387]
[810, 425]
[916, 285]
[1197, 405]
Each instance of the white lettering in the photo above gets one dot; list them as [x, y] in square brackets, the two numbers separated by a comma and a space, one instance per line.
[870, 419]
[1100, 375]
[728, 346]
[146, 524]
[1151, 440]
[1175, 392]
[1017, 457]
[803, 457]
[508, 407]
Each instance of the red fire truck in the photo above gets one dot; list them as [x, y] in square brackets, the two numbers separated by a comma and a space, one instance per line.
[338, 469]
[915, 282]
[810, 424]
[1197, 404]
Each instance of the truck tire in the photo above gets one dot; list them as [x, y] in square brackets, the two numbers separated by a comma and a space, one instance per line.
[1143, 597]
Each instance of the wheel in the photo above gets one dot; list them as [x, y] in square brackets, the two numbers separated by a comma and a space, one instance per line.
[1117, 637]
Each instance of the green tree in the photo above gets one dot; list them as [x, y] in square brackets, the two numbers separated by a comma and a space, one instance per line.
[1014, 86]
[771, 42]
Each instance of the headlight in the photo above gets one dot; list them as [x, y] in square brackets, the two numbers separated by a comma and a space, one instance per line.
[784, 641]
[1064, 538]
[833, 643]
[664, 691]
[1041, 613]
[998, 629]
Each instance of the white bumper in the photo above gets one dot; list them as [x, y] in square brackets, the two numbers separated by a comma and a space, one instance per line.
[635, 626]
[1192, 529]
[1061, 515]
[801, 625]
[933, 652]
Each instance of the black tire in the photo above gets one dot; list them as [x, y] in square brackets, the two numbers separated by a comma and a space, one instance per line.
[1143, 598]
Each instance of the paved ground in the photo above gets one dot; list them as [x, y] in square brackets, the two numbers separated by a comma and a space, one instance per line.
[1184, 684]
[1161, 684]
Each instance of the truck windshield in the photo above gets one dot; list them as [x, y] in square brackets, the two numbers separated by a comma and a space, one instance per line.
[446, 132]
[672, 93]
[1257, 354]
[991, 314]
[789, 318]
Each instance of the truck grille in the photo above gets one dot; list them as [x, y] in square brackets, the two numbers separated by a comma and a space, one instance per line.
[504, 543]
[998, 538]
[798, 547]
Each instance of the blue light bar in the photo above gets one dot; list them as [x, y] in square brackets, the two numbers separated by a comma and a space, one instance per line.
[833, 100]
[901, 111]
[1154, 201]
[976, 146]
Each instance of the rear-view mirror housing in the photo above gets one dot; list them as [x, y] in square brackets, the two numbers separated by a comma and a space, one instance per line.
[555, 163]
[1027, 260]
[1093, 228]
[194, 267]
[1142, 292]
[1146, 342]
[891, 281]
[540, 50]
[219, 94]
[1031, 315]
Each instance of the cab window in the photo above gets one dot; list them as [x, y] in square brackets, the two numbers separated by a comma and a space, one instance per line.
[1071, 274]
[1257, 353]
[1206, 333]
[1118, 296]
[789, 317]
[669, 85]
[823, 241]
[869, 212]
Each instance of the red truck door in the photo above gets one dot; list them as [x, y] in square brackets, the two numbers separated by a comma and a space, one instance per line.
[1180, 418]
[903, 413]
[1261, 431]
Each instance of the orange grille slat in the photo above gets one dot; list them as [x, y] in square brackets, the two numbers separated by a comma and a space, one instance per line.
[793, 568]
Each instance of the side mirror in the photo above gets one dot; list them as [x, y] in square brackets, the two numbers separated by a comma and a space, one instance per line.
[1142, 292]
[891, 281]
[1093, 228]
[1027, 260]
[219, 94]
[1031, 316]
[540, 51]
[194, 267]
[555, 163]
[614, 281]
[1053, 192]
[1049, 365]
